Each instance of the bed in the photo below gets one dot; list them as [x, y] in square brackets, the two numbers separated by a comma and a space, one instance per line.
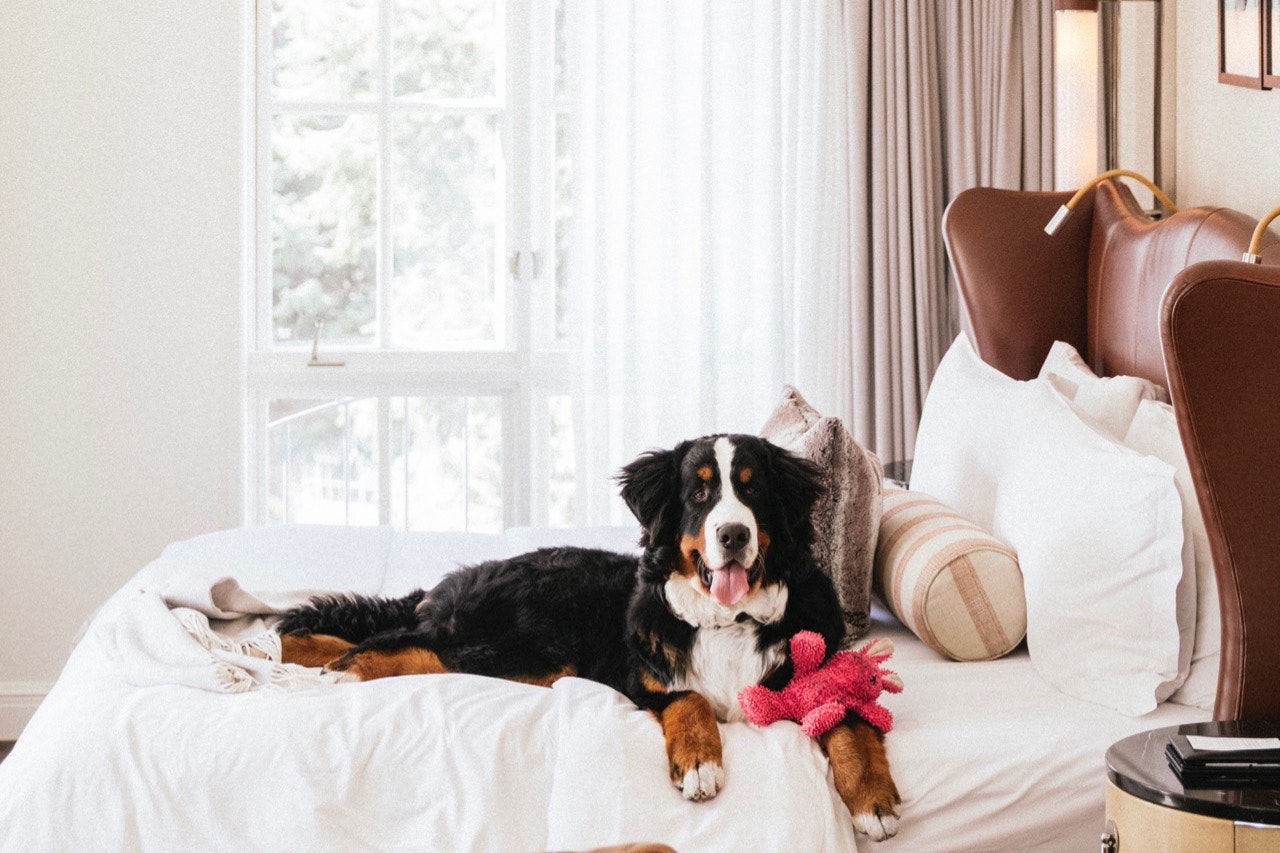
[164, 734]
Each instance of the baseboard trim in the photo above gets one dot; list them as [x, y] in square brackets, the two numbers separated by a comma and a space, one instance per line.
[18, 701]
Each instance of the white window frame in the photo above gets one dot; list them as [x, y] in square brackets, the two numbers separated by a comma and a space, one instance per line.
[525, 368]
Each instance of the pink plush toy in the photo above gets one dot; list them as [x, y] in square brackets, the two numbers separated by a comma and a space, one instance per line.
[818, 695]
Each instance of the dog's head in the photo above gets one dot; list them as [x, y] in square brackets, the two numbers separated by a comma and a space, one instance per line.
[729, 513]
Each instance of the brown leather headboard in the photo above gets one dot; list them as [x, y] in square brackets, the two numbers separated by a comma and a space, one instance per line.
[1103, 284]
[1221, 327]
[1096, 284]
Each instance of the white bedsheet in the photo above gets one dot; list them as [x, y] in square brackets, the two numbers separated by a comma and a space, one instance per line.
[987, 756]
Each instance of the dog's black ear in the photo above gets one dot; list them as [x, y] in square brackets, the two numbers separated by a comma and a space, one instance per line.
[797, 483]
[651, 489]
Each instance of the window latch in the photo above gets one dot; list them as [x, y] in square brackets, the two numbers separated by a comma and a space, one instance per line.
[315, 350]
[525, 265]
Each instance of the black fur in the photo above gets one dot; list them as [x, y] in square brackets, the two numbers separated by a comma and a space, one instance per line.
[603, 615]
[353, 617]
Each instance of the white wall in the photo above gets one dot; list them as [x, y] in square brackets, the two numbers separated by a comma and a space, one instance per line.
[120, 189]
[1228, 137]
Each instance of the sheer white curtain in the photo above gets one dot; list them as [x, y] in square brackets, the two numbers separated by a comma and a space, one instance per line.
[759, 187]
[711, 259]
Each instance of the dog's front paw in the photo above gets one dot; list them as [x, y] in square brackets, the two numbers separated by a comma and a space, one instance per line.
[876, 807]
[860, 770]
[702, 781]
[694, 750]
[877, 824]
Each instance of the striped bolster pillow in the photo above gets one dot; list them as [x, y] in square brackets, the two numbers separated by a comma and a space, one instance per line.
[956, 587]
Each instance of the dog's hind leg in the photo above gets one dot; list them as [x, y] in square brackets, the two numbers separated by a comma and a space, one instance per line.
[307, 649]
[361, 664]
[546, 680]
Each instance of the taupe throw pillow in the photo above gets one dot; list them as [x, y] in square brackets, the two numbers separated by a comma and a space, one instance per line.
[846, 519]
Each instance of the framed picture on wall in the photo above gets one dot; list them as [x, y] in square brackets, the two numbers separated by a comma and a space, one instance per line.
[1240, 42]
[1271, 42]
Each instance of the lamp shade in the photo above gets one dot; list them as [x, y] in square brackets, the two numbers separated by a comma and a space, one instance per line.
[1076, 87]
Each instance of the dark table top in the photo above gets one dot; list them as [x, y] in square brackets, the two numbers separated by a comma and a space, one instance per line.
[1137, 766]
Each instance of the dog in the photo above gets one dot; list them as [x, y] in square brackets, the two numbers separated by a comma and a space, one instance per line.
[724, 579]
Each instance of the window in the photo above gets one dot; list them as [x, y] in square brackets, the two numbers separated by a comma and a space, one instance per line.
[407, 362]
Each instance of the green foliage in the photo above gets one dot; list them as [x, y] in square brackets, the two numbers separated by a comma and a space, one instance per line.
[438, 253]
[446, 201]
[324, 232]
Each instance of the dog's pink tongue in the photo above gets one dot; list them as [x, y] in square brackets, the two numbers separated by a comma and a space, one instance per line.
[729, 584]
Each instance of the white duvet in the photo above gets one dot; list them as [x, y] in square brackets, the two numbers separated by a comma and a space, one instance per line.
[987, 756]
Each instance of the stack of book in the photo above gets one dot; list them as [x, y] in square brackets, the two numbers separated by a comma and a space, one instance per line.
[1202, 761]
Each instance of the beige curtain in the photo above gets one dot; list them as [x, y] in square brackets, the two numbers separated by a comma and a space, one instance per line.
[997, 75]
[945, 95]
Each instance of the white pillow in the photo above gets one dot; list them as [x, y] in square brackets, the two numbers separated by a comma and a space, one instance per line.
[1154, 430]
[1134, 412]
[1110, 400]
[1097, 528]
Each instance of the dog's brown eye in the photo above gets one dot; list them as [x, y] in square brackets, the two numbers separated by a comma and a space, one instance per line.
[749, 490]
[702, 494]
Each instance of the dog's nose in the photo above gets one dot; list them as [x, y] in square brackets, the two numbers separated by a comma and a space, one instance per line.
[733, 537]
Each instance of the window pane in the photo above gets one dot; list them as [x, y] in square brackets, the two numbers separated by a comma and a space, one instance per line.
[322, 461]
[324, 49]
[446, 48]
[448, 211]
[564, 222]
[561, 505]
[323, 228]
[561, 82]
[446, 463]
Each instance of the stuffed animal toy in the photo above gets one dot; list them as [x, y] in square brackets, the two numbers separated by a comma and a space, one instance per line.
[819, 695]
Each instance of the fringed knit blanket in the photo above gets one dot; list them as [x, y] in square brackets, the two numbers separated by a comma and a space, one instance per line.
[211, 636]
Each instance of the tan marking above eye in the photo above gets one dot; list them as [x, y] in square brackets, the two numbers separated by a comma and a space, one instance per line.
[745, 475]
[704, 473]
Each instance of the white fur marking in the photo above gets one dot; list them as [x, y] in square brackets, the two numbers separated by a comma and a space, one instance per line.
[341, 677]
[722, 662]
[724, 658]
[728, 510]
[876, 828]
[702, 782]
[687, 599]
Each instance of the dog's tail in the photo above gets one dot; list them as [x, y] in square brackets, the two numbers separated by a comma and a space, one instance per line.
[352, 617]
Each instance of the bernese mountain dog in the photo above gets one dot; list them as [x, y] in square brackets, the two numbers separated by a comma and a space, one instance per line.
[724, 579]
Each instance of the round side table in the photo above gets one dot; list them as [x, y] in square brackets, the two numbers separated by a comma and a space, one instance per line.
[1148, 809]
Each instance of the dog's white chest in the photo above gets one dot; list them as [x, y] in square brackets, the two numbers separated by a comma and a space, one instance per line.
[725, 660]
